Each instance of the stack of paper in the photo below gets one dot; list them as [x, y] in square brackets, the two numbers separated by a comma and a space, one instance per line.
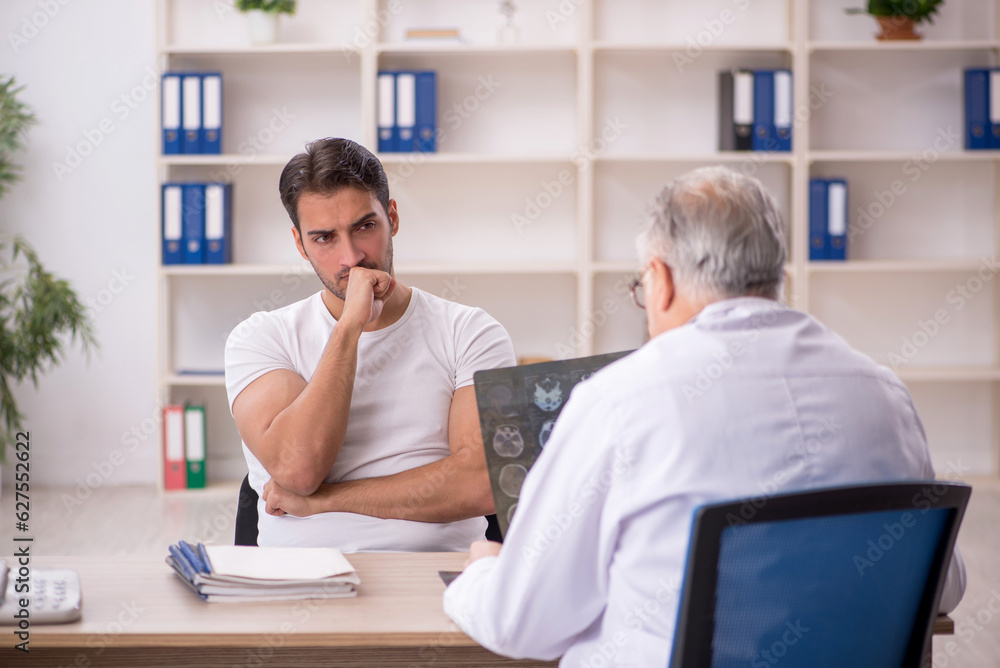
[230, 573]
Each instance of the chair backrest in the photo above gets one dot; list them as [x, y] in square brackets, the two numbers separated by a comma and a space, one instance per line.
[246, 514]
[849, 576]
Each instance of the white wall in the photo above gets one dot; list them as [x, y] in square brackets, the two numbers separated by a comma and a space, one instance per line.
[92, 226]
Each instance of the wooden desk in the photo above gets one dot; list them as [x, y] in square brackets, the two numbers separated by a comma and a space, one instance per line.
[137, 613]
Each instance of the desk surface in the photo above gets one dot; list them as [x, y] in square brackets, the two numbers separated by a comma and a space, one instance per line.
[132, 605]
[398, 604]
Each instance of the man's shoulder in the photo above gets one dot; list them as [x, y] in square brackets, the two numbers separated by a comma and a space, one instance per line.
[287, 318]
[448, 312]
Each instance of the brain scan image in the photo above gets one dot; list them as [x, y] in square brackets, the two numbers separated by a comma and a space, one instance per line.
[507, 440]
[548, 394]
[543, 435]
[500, 395]
[511, 478]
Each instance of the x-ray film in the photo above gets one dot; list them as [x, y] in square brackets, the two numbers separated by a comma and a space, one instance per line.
[518, 409]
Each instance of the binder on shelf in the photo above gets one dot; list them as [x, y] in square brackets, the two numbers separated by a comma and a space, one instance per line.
[994, 97]
[783, 112]
[763, 111]
[194, 445]
[819, 211]
[735, 110]
[218, 223]
[174, 456]
[211, 112]
[193, 220]
[836, 224]
[406, 111]
[170, 112]
[386, 111]
[191, 116]
[426, 134]
[172, 205]
[977, 109]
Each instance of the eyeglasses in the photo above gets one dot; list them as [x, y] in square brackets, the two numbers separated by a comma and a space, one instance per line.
[635, 290]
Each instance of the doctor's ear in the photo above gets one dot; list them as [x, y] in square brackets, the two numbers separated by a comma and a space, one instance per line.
[660, 289]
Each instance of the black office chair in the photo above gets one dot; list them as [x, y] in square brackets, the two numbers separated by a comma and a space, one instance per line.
[246, 517]
[246, 514]
[850, 576]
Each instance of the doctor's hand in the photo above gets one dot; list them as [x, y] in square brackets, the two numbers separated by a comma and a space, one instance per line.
[367, 292]
[480, 549]
[280, 501]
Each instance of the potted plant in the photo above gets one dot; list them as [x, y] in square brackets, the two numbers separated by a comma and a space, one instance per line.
[262, 18]
[39, 313]
[896, 18]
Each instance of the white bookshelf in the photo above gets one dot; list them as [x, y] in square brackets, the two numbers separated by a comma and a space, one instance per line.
[557, 282]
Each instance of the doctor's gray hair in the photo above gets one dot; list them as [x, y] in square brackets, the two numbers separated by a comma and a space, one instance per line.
[720, 233]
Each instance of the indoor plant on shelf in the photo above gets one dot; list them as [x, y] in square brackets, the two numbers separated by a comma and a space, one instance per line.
[262, 18]
[39, 313]
[896, 18]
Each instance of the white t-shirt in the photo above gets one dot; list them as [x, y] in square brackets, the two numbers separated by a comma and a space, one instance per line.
[406, 377]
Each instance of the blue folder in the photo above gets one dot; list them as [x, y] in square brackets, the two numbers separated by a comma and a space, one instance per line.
[211, 112]
[977, 109]
[218, 223]
[836, 223]
[193, 218]
[386, 112]
[170, 112]
[172, 203]
[191, 113]
[406, 111]
[426, 138]
[818, 224]
[763, 111]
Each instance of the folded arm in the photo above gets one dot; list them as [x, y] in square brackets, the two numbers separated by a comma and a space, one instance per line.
[294, 428]
[453, 488]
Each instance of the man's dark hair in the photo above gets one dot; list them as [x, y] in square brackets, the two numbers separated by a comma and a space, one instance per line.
[326, 167]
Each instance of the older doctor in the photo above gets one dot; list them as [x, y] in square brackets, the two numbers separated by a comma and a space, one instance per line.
[734, 395]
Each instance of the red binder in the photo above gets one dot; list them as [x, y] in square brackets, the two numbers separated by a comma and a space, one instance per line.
[174, 457]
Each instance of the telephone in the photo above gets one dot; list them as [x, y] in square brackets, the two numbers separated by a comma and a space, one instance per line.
[55, 596]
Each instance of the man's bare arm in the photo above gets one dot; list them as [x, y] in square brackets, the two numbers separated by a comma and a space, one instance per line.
[454, 488]
[295, 429]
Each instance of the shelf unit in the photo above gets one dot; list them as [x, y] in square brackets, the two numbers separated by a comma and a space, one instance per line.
[531, 205]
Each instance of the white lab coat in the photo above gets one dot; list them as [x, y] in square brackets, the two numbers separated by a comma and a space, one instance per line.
[749, 398]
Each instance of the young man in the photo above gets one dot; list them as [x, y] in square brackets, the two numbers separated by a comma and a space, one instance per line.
[355, 405]
[734, 395]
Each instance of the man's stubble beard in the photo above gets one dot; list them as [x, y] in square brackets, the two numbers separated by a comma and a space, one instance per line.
[386, 266]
